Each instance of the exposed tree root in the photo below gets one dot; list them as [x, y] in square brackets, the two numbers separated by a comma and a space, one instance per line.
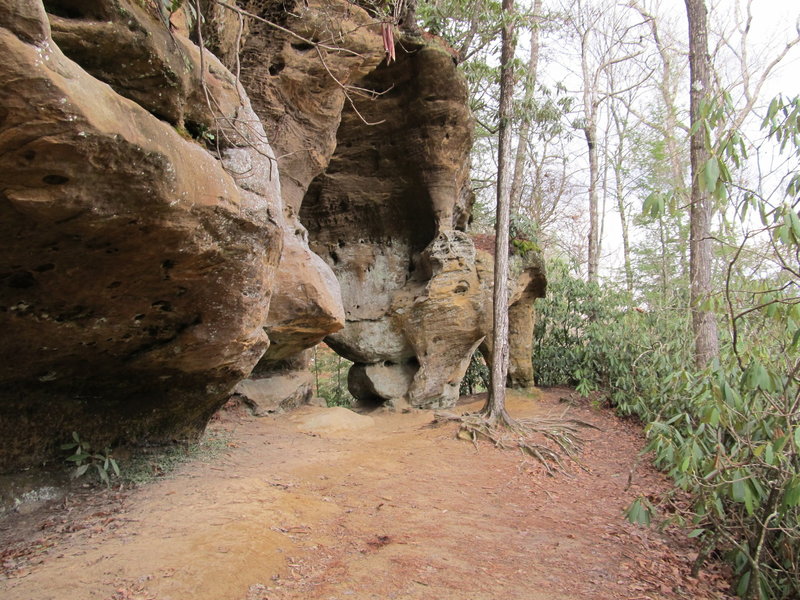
[506, 432]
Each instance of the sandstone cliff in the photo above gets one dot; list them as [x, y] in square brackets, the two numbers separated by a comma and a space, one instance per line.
[164, 220]
[137, 268]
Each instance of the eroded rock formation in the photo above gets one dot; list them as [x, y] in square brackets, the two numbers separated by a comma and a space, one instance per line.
[527, 281]
[136, 269]
[386, 215]
[297, 90]
[149, 253]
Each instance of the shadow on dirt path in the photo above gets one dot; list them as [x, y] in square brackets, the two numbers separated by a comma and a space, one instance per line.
[324, 504]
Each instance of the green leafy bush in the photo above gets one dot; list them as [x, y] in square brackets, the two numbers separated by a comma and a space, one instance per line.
[595, 339]
[728, 436]
[85, 458]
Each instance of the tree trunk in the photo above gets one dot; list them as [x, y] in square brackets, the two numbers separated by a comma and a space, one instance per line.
[626, 244]
[590, 131]
[662, 238]
[704, 324]
[495, 404]
[525, 127]
[621, 128]
[408, 20]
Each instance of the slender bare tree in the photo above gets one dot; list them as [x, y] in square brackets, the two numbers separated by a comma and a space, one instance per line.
[704, 322]
[529, 90]
[494, 410]
[606, 37]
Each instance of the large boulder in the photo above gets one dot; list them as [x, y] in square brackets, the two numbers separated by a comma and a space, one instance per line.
[530, 283]
[307, 303]
[276, 392]
[136, 263]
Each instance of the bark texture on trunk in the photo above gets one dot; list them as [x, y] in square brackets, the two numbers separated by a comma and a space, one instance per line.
[590, 131]
[621, 127]
[495, 404]
[525, 127]
[704, 324]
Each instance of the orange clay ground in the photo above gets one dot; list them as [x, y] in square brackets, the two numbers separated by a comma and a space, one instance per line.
[325, 504]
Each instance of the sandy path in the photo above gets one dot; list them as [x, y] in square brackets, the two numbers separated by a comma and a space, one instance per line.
[389, 510]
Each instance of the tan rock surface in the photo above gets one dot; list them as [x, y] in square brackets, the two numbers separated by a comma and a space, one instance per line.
[307, 304]
[296, 89]
[391, 175]
[385, 217]
[276, 393]
[136, 271]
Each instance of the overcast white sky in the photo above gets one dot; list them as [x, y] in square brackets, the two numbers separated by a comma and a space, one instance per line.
[774, 22]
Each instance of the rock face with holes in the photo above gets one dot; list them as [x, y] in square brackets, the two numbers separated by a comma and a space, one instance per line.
[152, 243]
[296, 89]
[373, 160]
[135, 270]
[387, 215]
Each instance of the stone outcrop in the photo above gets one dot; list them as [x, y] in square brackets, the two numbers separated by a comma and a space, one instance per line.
[307, 303]
[156, 250]
[379, 176]
[297, 91]
[527, 281]
[276, 392]
[137, 266]
[530, 282]
[387, 216]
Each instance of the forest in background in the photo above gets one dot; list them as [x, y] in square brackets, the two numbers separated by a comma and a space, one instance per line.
[665, 199]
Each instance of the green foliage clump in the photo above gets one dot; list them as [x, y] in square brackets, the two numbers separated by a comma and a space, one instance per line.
[84, 458]
[595, 339]
[476, 379]
[728, 435]
[330, 376]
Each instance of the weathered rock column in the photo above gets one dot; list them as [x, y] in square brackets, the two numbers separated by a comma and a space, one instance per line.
[387, 216]
[296, 89]
[527, 281]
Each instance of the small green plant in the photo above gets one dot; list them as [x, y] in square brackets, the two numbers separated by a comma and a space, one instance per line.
[522, 247]
[476, 379]
[170, 7]
[84, 459]
[149, 464]
[330, 373]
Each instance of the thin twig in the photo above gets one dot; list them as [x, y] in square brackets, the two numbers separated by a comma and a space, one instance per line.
[285, 30]
[346, 93]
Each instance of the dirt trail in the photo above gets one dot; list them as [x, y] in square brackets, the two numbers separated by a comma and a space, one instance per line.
[316, 506]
